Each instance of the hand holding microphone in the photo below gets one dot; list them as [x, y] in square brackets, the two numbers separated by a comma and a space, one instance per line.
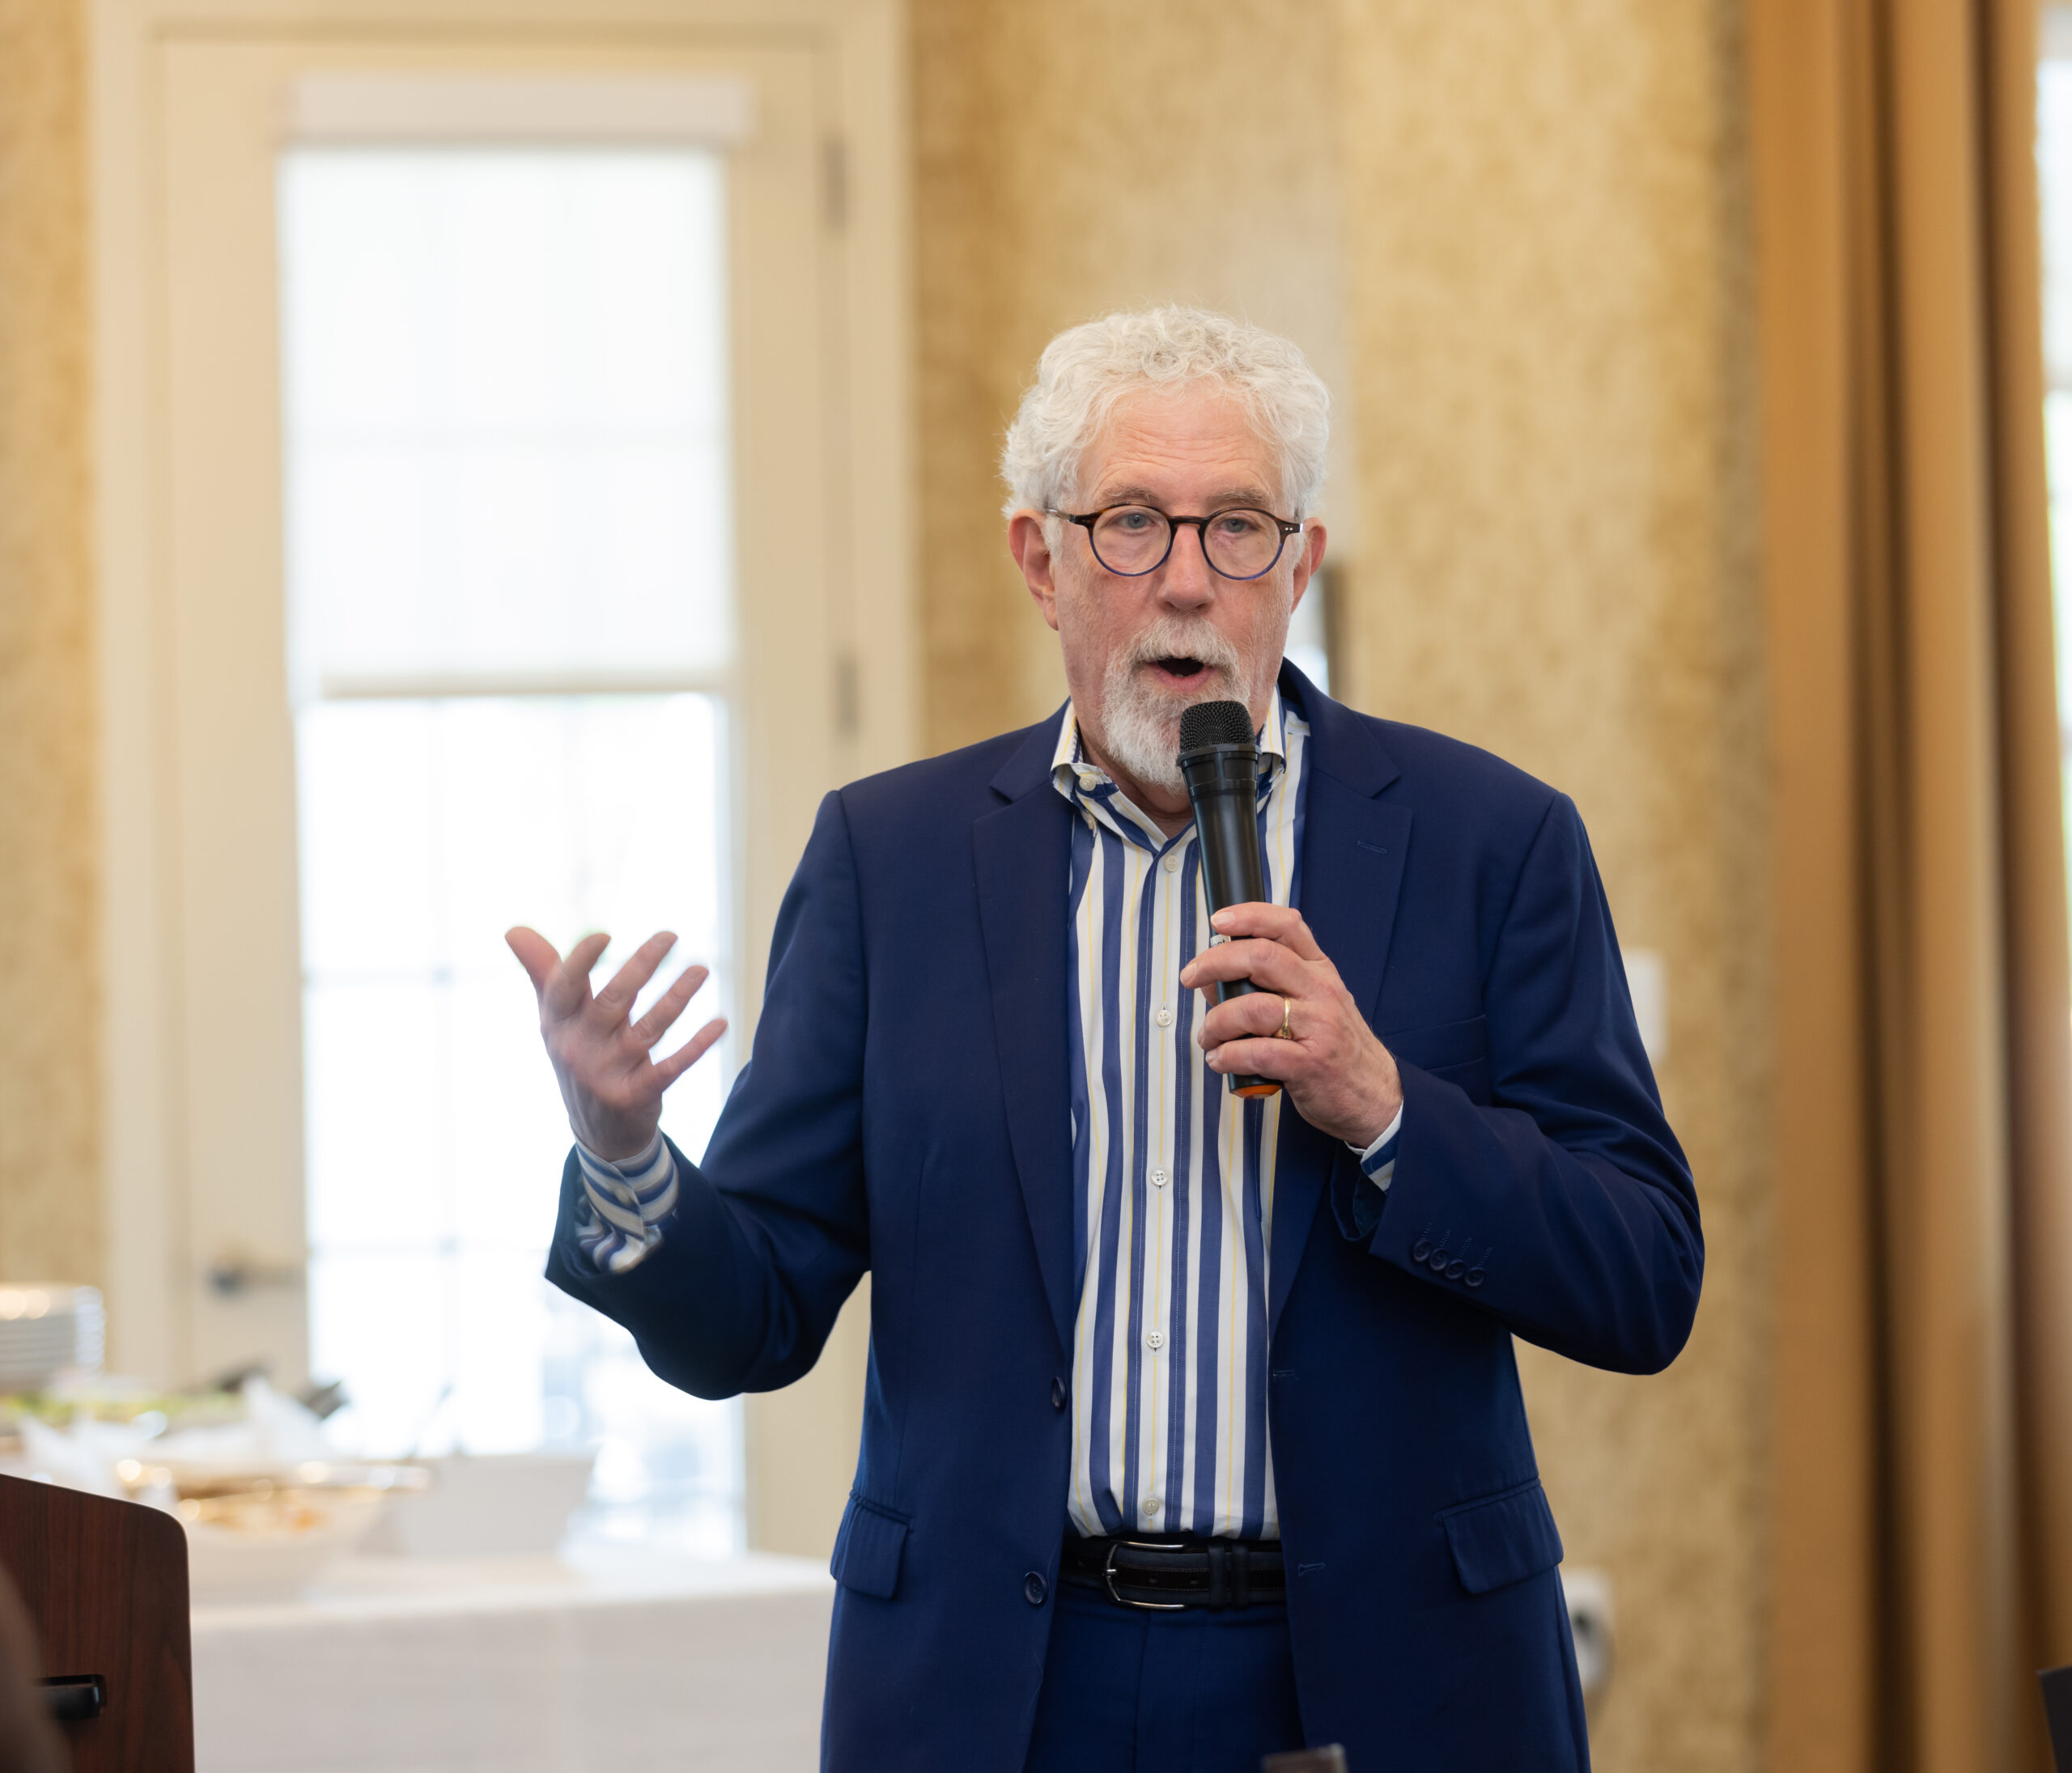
[1281, 1017]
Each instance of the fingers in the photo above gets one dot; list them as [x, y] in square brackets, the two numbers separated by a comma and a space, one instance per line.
[536, 954]
[617, 998]
[1341, 1080]
[1258, 1013]
[667, 1008]
[1271, 922]
[1280, 1060]
[667, 1070]
[1270, 966]
[567, 988]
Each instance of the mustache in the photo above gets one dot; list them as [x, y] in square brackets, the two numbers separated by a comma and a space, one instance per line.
[1175, 637]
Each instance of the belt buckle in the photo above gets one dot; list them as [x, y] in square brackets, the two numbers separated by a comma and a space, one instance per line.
[1108, 1570]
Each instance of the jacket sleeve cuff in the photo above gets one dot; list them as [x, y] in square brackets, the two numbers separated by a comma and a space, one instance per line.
[1359, 1183]
[1379, 1159]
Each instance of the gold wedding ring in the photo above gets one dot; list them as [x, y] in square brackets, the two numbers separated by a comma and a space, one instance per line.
[1286, 1033]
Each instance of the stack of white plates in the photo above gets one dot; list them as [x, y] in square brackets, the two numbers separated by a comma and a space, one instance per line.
[44, 1329]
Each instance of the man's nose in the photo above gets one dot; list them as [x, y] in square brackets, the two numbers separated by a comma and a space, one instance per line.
[1187, 581]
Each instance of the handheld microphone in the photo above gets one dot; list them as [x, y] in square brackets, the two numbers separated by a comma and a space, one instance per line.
[1220, 761]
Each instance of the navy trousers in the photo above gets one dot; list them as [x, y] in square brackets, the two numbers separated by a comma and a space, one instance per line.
[1192, 1692]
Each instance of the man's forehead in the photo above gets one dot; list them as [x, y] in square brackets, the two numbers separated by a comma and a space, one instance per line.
[1200, 439]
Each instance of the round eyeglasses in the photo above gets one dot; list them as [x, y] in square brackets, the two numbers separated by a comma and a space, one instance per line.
[1131, 540]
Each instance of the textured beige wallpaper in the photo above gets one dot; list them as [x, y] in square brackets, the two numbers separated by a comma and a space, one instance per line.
[49, 1174]
[1548, 282]
[1512, 234]
[1077, 156]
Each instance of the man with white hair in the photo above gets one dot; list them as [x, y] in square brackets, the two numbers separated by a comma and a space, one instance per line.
[1193, 1429]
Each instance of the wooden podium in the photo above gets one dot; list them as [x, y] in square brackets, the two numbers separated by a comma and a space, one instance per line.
[105, 1582]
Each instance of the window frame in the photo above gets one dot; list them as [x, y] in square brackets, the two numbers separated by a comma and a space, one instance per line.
[146, 983]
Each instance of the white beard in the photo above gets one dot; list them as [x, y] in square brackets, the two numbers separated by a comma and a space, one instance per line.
[1141, 724]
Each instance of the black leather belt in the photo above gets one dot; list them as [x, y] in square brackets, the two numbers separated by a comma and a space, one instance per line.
[1164, 1576]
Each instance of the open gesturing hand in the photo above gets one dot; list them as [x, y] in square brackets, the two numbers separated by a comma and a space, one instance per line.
[603, 1060]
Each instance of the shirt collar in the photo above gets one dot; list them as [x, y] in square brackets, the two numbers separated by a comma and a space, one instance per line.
[1089, 786]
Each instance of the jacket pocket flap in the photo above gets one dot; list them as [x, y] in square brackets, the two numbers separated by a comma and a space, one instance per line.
[867, 1549]
[1502, 1539]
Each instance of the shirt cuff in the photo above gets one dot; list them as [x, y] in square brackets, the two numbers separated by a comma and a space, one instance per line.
[624, 1204]
[1378, 1158]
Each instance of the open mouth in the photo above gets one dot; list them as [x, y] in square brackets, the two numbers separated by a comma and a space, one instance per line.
[1179, 672]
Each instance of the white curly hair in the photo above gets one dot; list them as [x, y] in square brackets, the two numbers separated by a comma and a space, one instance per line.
[1085, 369]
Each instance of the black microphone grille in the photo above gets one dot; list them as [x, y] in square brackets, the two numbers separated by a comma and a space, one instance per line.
[1215, 723]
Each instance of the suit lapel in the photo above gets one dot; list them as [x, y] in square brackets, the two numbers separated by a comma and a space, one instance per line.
[1353, 849]
[1022, 852]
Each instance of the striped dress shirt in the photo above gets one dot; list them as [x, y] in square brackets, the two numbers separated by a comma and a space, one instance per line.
[1173, 1176]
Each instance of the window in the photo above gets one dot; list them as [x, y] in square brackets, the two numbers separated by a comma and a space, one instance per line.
[414, 625]
[510, 580]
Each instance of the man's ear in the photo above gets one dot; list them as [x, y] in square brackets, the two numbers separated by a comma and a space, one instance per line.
[1306, 563]
[1030, 545]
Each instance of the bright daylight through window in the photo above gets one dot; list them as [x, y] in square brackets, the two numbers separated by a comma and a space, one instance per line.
[510, 578]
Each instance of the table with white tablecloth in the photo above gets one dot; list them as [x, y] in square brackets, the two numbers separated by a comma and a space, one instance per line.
[613, 1659]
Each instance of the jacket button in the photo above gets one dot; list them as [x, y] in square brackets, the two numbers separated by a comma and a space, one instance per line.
[1437, 1261]
[1475, 1277]
[1420, 1249]
[1057, 1394]
[1455, 1270]
[1035, 1588]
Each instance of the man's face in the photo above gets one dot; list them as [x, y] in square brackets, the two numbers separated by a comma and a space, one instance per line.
[1139, 650]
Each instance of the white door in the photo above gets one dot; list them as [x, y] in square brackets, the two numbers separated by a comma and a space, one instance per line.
[504, 573]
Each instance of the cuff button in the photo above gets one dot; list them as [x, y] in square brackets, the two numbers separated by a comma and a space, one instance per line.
[1454, 1270]
[1420, 1250]
[1475, 1277]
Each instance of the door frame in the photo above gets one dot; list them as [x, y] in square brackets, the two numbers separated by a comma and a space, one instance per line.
[859, 55]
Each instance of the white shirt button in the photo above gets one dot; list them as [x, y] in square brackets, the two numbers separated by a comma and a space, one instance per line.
[1156, 1340]
[1158, 1178]
[1172, 861]
[1089, 781]
[1165, 1017]
[1151, 1505]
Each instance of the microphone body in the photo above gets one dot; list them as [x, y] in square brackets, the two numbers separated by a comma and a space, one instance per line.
[1219, 761]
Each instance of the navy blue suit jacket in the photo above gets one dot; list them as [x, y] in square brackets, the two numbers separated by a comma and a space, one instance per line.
[905, 1112]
